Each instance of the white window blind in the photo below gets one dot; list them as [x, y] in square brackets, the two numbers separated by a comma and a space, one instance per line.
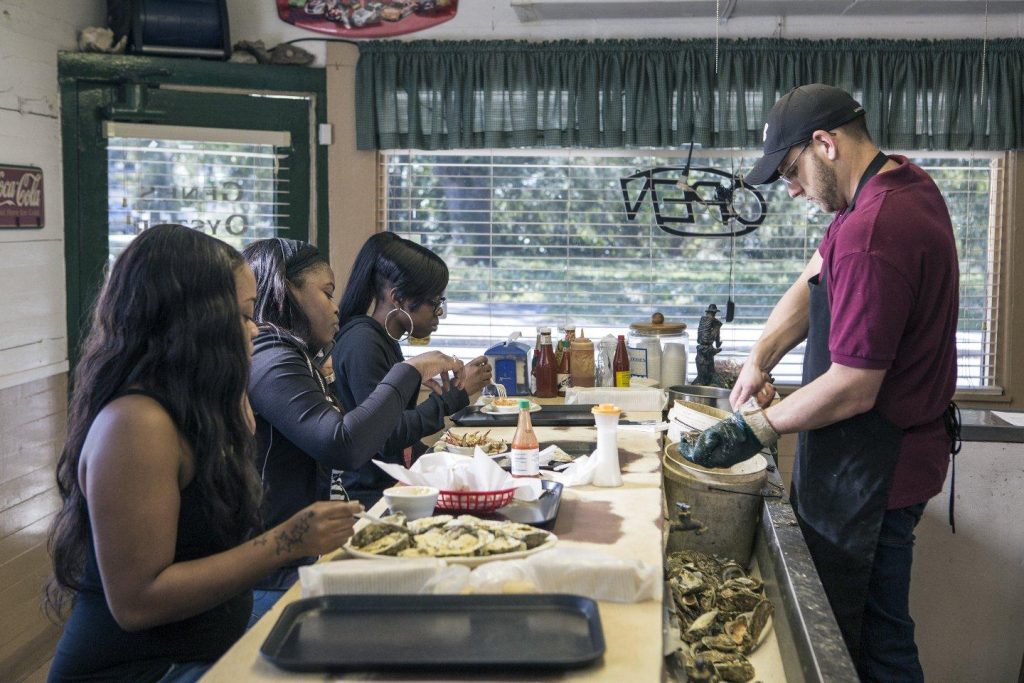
[223, 182]
[542, 238]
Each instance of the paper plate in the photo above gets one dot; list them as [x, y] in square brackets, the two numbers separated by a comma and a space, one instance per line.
[465, 561]
[470, 450]
[492, 409]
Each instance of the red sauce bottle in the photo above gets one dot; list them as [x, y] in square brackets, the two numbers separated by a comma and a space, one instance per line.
[545, 372]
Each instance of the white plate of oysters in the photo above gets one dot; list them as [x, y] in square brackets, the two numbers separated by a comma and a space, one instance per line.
[466, 539]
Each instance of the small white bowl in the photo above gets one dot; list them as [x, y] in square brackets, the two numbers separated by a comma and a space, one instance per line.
[415, 501]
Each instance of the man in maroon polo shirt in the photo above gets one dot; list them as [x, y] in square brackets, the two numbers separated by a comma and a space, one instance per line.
[877, 305]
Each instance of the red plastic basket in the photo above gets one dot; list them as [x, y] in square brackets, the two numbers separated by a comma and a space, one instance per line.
[474, 501]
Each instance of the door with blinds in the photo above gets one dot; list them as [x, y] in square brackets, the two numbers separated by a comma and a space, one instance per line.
[238, 166]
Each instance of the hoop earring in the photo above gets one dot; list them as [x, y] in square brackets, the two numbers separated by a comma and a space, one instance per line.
[408, 333]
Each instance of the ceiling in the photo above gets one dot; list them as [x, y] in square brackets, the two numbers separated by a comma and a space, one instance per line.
[555, 10]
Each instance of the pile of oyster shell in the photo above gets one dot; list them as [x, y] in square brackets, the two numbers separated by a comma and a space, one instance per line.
[446, 536]
[722, 613]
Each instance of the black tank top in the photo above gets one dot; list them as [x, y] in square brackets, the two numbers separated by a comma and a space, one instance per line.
[94, 647]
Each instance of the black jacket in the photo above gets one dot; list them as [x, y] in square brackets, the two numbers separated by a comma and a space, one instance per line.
[363, 357]
[301, 434]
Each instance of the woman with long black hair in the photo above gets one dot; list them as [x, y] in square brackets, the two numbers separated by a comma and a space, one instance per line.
[302, 433]
[159, 493]
[396, 289]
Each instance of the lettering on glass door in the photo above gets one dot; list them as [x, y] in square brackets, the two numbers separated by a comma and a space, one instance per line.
[237, 192]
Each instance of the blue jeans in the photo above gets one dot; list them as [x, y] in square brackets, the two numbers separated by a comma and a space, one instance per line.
[888, 651]
[262, 601]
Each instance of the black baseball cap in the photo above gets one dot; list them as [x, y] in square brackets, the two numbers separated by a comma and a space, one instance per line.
[793, 120]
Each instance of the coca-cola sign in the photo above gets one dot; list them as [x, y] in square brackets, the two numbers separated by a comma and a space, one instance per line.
[21, 197]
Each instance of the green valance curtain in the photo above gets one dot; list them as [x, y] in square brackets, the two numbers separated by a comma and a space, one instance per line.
[918, 94]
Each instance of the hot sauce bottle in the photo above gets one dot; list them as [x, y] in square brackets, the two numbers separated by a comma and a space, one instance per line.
[564, 360]
[525, 454]
[620, 363]
[562, 376]
[545, 371]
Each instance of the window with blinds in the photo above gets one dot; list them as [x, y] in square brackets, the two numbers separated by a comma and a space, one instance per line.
[223, 182]
[542, 239]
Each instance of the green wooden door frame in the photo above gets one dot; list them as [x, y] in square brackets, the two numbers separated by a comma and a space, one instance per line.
[95, 88]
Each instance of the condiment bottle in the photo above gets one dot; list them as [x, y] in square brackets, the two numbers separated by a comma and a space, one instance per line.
[545, 371]
[607, 471]
[534, 358]
[605, 352]
[536, 348]
[602, 370]
[620, 363]
[525, 454]
[581, 361]
[564, 360]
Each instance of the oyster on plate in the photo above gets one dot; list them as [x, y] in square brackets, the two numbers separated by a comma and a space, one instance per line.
[418, 526]
[389, 544]
[456, 541]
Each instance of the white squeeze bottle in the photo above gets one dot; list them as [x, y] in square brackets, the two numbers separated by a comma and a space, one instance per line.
[525, 447]
[607, 471]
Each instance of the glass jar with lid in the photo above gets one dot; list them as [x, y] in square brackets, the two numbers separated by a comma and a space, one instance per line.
[658, 350]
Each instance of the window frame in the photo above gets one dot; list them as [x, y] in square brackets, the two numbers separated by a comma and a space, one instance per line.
[1006, 198]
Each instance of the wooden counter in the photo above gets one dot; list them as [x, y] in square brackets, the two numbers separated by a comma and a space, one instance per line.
[624, 522]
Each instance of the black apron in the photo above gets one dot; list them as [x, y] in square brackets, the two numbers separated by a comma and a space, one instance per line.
[841, 479]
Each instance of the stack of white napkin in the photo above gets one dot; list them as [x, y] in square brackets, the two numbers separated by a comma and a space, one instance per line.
[368, 577]
[648, 399]
[559, 570]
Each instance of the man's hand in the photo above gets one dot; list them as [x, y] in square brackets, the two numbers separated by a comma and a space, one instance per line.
[733, 440]
[752, 381]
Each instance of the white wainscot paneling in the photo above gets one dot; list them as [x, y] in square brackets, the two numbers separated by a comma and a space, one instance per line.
[33, 338]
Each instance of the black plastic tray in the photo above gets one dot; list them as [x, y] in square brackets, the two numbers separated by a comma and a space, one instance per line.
[548, 415]
[573, 449]
[440, 632]
[541, 512]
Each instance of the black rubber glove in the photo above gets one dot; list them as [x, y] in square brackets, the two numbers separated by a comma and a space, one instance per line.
[730, 441]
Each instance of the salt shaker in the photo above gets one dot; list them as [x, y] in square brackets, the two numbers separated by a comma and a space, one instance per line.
[607, 471]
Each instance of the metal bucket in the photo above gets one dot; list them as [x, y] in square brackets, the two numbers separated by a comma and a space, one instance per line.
[715, 397]
[723, 505]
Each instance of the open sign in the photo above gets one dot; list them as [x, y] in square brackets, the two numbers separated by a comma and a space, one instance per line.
[674, 199]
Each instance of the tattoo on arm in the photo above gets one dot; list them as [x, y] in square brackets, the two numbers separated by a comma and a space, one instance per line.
[288, 539]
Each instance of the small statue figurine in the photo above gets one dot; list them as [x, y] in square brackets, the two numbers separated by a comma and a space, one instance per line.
[709, 343]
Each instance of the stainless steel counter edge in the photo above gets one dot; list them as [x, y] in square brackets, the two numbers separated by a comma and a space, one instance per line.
[810, 642]
[984, 425]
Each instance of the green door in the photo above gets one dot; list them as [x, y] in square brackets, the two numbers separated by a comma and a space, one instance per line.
[239, 166]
